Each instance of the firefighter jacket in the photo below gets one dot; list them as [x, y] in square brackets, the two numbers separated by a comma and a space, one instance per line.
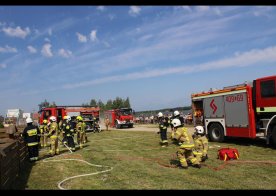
[185, 137]
[81, 127]
[62, 125]
[201, 143]
[163, 123]
[43, 129]
[69, 129]
[30, 135]
[53, 130]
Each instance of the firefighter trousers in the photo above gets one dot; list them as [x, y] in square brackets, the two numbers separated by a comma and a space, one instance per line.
[81, 138]
[33, 152]
[44, 140]
[54, 148]
[71, 143]
[186, 155]
[163, 135]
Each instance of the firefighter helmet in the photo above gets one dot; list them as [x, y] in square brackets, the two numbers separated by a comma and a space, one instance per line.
[45, 121]
[79, 118]
[199, 129]
[68, 118]
[176, 122]
[176, 113]
[29, 120]
[64, 117]
[160, 115]
[53, 119]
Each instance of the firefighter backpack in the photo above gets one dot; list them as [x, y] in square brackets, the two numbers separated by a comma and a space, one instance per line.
[226, 154]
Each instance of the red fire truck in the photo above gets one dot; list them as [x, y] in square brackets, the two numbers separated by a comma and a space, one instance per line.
[87, 112]
[247, 110]
[120, 117]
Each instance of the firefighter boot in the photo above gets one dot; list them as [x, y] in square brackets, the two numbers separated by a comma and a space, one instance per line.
[183, 163]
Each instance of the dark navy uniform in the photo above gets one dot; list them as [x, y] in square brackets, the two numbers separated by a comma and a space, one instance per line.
[31, 137]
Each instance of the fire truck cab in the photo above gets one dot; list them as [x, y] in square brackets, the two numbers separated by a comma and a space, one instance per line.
[245, 110]
[120, 117]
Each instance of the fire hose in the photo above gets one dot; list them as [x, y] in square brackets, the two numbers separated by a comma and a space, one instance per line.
[77, 176]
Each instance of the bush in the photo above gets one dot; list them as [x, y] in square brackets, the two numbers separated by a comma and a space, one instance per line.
[1, 125]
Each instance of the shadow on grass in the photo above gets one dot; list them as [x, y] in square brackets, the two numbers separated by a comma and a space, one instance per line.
[21, 182]
[258, 142]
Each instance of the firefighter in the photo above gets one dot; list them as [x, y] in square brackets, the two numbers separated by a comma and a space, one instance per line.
[176, 115]
[31, 137]
[163, 123]
[44, 130]
[185, 152]
[53, 135]
[62, 124]
[106, 122]
[69, 133]
[201, 144]
[80, 131]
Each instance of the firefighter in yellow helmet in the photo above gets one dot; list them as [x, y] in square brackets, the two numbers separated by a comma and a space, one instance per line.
[53, 134]
[81, 131]
[62, 125]
[163, 124]
[185, 152]
[44, 130]
[201, 144]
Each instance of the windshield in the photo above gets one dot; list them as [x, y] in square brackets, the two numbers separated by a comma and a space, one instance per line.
[126, 112]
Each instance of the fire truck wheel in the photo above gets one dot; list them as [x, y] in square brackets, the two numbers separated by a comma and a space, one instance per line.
[117, 125]
[216, 133]
[273, 137]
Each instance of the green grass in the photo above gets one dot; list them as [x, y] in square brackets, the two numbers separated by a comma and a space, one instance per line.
[135, 158]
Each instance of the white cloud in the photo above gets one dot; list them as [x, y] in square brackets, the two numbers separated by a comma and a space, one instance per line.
[145, 37]
[111, 16]
[46, 50]
[50, 31]
[59, 26]
[3, 66]
[32, 49]
[8, 49]
[249, 58]
[36, 31]
[134, 10]
[93, 35]
[217, 11]
[187, 8]
[81, 38]
[46, 39]
[64, 53]
[17, 32]
[202, 8]
[101, 8]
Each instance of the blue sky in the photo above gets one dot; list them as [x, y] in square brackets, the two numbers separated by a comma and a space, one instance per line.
[155, 55]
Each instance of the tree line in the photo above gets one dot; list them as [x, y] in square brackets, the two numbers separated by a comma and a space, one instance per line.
[118, 102]
[110, 104]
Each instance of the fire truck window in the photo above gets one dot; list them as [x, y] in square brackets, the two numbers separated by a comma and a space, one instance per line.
[268, 88]
[47, 114]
